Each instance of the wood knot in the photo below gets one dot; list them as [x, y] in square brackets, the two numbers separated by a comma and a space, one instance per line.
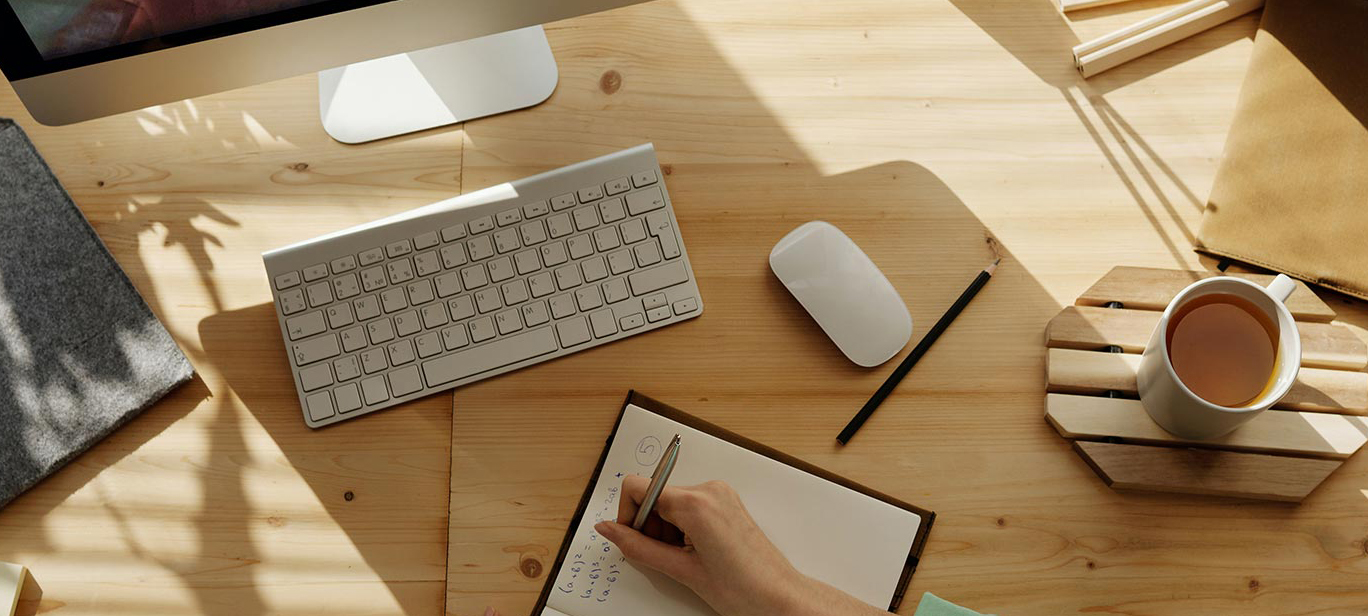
[531, 568]
[1002, 521]
[1253, 585]
[275, 521]
[348, 496]
[1091, 565]
[610, 82]
[667, 169]
[100, 183]
[300, 167]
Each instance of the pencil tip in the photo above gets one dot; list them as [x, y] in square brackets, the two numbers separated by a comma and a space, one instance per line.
[992, 267]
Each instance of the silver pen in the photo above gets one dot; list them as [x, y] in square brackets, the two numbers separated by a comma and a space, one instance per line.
[658, 479]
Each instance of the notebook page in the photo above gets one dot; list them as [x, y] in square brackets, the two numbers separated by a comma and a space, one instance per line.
[854, 542]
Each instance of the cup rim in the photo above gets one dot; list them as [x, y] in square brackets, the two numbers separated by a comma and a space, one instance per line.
[1277, 393]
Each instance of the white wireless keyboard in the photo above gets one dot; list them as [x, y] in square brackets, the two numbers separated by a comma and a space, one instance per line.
[481, 284]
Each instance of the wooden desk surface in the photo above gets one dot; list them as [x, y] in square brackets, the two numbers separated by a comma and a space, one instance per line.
[914, 126]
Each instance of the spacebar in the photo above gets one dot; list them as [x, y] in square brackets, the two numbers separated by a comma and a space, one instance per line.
[510, 350]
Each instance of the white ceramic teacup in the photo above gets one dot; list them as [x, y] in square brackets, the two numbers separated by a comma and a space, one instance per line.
[1173, 406]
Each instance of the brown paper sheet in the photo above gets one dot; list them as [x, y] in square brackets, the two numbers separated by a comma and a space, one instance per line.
[1291, 193]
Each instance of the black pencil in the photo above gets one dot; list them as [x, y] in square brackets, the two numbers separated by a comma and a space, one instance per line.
[911, 359]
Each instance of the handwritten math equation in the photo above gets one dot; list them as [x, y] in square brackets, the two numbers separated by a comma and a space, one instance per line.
[594, 566]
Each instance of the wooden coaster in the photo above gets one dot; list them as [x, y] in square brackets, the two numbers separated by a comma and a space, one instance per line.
[1094, 351]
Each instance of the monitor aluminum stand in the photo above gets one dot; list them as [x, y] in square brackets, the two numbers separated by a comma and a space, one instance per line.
[437, 86]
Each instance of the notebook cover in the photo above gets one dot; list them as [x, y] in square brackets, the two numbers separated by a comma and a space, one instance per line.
[676, 415]
[1291, 193]
[80, 353]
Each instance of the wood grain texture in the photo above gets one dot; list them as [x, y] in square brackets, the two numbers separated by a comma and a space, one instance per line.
[1089, 372]
[1321, 435]
[1205, 471]
[1141, 288]
[1324, 345]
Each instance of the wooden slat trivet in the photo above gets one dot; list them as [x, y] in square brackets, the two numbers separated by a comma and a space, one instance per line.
[1094, 352]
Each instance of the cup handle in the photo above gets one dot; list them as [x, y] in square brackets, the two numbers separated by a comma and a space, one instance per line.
[1281, 287]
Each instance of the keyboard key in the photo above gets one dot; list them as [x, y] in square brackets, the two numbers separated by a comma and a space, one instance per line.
[506, 241]
[535, 314]
[651, 302]
[427, 345]
[420, 292]
[481, 248]
[314, 377]
[588, 298]
[408, 323]
[367, 307]
[592, 193]
[494, 355]
[371, 257]
[647, 253]
[508, 322]
[573, 332]
[561, 202]
[481, 329]
[353, 339]
[340, 315]
[645, 178]
[481, 224]
[615, 290]
[632, 321]
[658, 278]
[658, 314]
[533, 233]
[586, 218]
[425, 241]
[287, 280]
[434, 316]
[644, 201]
[541, 285]
[461, 308]
[508, 217]
[400, 271]
[380, 331]
[373, 278]
[562, 306]
[594, 269]
[658, 224]
[447, 284]
[553, 254]
[374, 390]
[612, 210]
[394, 300]
[633, 231]
[603, 323]
[318, 349]
[400, 353]
[579, 246]
[306, 325]
[568, 277]
[402, 247]
[618, 186]
[454, 337]
[501, 269]
[453, 233]
[344, 264]
[319, 294]
[347, 368]
[515, 293]
[685, 306]
[453, 256]
[527, 262]
[314, 272]
[373, 360]
[346, 287]
[320, 406]
[621, 262]
[606, 239]
[560, 225]
[427, 263]
[348, 398]
[487, 300]
[474, 277]
[533, 210]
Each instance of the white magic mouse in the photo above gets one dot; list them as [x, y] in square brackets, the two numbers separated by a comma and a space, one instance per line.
[843, 291]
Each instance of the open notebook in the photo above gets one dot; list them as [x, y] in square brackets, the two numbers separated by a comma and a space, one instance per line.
[830, 528]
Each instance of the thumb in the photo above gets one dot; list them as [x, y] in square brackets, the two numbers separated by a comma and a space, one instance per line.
[671, 560]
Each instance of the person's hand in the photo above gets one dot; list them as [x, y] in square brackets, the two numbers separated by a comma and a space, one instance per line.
[703, 537]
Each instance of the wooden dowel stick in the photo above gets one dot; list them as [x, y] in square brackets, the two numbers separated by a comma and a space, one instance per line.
[1130, 43]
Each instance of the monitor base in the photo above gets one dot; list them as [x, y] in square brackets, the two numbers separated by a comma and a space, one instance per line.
[433, 87]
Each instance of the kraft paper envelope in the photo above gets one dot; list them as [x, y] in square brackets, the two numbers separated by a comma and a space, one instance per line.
[1291, 193]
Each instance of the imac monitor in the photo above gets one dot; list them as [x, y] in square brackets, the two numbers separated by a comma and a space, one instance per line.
[388, 66]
